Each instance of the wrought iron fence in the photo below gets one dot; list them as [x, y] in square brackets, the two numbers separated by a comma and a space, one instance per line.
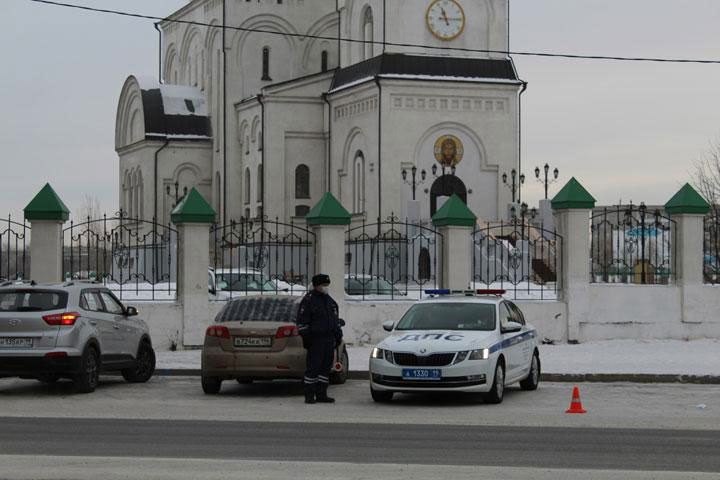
[260, 257]
[711, 248]
[391, 260]
[630, 244]
[14, 258]
[136, 259]
[516, 256]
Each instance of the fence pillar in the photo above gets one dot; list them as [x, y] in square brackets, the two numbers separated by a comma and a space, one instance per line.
[47, 214]
[688, 209]
[193, 217]
[329, 220]
[572, 206]
[455, 222]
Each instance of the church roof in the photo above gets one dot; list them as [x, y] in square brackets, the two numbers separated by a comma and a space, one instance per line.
[174, 111]
[398, 65]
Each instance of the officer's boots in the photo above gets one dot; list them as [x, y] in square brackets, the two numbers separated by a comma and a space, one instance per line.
[310, 390]
[322, 396]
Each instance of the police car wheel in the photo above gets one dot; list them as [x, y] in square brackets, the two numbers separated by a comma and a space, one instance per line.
[381, 396]
[533, 378]
[497, 392]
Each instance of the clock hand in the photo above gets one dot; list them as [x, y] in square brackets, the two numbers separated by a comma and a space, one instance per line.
[445, 16]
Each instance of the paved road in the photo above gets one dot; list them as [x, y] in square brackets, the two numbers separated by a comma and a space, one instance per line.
[576, 448]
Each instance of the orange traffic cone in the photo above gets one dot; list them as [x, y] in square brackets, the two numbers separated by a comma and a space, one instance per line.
[576, 404]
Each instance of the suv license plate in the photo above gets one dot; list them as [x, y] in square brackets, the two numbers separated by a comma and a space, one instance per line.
[6, 342]
[422, 374]
[253, 341]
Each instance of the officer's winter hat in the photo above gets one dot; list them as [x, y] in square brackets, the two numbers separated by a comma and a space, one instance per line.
[321, 279]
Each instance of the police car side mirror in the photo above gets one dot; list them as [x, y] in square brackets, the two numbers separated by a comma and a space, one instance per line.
[511, 327]
[341, 322]
[388, 326]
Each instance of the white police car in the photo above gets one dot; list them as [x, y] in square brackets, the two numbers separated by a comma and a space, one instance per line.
[456, 341]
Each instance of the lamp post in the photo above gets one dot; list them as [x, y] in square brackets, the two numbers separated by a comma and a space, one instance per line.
[176, 196]
[515, 183]
[414, 183]
[546, 180]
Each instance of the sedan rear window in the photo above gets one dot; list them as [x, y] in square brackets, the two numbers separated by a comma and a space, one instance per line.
[449, 316]
[32, 300]
[260, 309]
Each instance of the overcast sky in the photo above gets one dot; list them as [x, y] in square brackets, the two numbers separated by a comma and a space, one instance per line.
[627, 131]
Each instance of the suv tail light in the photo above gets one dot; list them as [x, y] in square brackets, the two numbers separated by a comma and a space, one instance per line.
[62, 319]
[219, 332]
[285, 332]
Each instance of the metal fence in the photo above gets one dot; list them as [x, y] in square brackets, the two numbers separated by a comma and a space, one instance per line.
[14, 258]
[711, 248]
[391, 260]
[630, 244]
[260, 257]
[136, 259]
[516, 256]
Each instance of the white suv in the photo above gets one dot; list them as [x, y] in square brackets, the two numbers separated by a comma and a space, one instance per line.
[71, 330]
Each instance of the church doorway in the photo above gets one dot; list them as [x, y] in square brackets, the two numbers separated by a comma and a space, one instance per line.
[445, 186]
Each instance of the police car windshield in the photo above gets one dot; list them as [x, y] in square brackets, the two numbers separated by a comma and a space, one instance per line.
[449, 316]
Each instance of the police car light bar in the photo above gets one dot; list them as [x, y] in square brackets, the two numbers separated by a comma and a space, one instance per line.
[458, 292]
[491, 292]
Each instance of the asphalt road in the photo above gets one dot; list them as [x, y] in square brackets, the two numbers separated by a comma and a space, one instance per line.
[567, 448]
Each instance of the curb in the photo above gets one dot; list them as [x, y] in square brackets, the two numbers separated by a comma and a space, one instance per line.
[545, 377]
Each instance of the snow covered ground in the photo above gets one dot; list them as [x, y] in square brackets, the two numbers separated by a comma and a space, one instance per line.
[675, 357]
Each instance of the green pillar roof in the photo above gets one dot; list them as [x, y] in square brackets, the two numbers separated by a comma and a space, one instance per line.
[328, 211]
[687, 200]
[454, 214]
[573, 196]
[193, 209]
[46, 206]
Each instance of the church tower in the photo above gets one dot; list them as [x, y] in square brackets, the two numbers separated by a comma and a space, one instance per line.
[438, 24]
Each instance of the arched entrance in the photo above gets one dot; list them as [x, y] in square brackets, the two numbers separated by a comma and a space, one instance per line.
[445, 186]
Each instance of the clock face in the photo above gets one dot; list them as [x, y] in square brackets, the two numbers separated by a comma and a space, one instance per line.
[446, 19]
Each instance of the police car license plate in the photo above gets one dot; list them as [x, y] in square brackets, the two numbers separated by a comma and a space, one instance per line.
[16, 342]
[422, 374]
[253, 341]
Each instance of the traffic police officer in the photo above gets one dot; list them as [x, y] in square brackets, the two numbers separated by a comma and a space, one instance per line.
[319, 326]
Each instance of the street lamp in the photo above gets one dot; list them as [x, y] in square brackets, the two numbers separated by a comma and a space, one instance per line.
[547, 181]
[414, 183]
[515, 183]
[434, 170]
[177, 196]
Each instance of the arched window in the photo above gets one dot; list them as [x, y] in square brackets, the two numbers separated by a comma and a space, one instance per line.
[368, 34]
[266, 64]
[218, 193]
[359, 183]
[246, 193]
[301, 210]
[136, 197]
[141, 194]
[324, 61]
[260, 183]
[302, 182]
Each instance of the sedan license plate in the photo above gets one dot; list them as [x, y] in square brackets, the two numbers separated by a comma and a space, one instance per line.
[6, 342]
[253, 341]
[421, 374]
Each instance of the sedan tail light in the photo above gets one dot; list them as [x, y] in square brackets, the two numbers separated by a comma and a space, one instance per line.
[289, 331]
[219, 332]
[62, 319]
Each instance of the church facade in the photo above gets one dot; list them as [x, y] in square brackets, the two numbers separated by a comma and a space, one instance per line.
[309, 96]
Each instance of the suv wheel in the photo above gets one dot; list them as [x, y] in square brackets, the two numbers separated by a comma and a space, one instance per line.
[211, 385]
[86, 380]
[144, 365]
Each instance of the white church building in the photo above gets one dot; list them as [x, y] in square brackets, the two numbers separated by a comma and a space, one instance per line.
[299, 97]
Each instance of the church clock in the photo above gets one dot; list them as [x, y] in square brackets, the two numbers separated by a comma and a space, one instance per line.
[446, 19]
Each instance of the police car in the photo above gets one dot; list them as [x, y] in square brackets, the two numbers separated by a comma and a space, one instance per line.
[464, 341]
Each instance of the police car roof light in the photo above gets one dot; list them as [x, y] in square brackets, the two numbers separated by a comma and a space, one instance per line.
[490, 292]
[437, 292]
